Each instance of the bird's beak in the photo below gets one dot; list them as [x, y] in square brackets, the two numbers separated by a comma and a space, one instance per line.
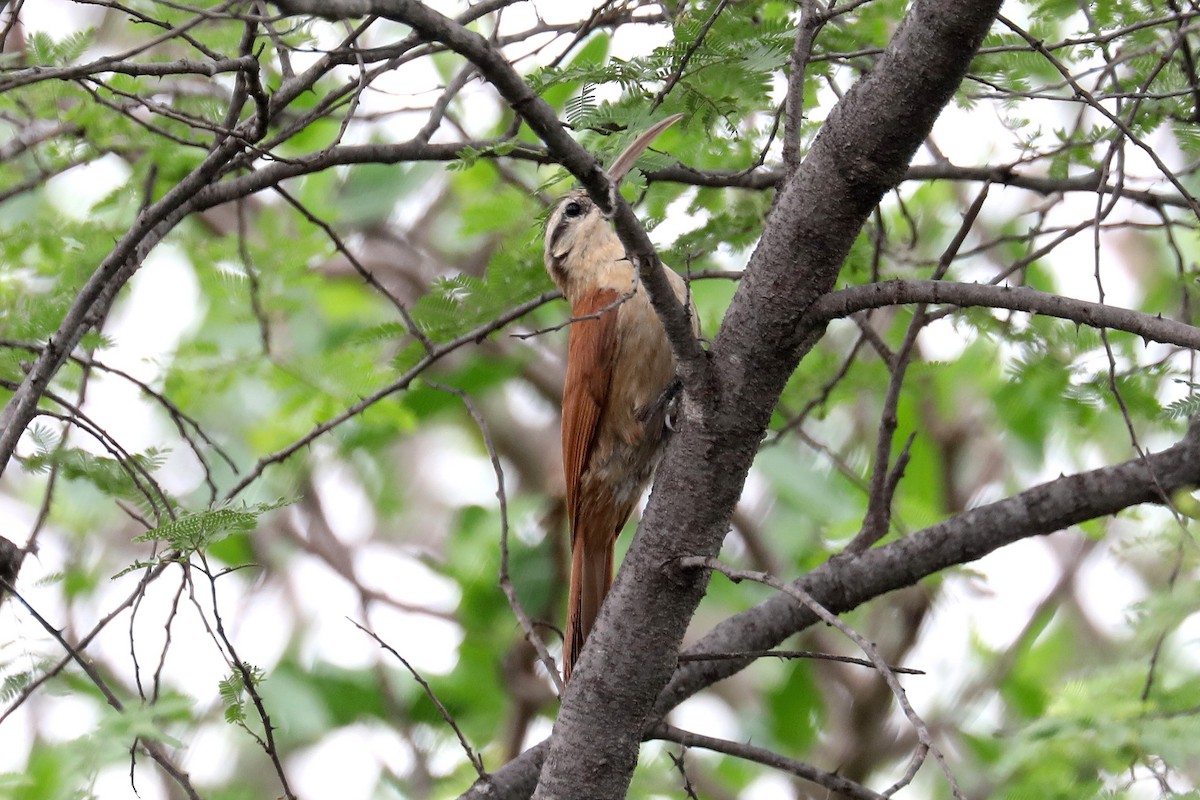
[620, 168]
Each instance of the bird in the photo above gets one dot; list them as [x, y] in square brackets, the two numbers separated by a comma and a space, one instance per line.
[617, 390]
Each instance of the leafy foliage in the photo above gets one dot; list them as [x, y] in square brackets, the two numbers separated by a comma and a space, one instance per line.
[200, 530]
[310, 339]
[235, 692]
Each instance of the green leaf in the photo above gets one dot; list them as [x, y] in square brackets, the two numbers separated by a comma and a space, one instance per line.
[195, 531]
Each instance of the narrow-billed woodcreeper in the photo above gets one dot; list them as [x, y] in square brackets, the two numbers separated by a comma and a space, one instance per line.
[615, 398]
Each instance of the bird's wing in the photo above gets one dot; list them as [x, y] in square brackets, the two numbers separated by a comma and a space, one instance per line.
[591, 353]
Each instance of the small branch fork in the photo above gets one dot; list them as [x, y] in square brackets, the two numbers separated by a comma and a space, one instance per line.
[153, 748]
[926, 745]
[884, 478]
[760, 755]
[243, 670]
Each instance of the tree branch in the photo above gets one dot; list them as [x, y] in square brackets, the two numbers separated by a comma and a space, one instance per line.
[845, 302]
[543, 120]
[926, 744]
[96, 297]
[1004, 175]
[846, 582]
[831, 781]
[862, 151]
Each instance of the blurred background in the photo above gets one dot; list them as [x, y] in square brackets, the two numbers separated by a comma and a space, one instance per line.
[290, 392]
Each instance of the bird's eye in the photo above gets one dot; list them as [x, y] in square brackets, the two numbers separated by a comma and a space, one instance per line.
[572, 209]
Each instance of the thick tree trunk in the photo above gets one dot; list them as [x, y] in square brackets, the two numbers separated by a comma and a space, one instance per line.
[862, 152]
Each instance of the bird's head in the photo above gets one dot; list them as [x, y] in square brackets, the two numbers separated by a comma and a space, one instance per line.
[579, 237]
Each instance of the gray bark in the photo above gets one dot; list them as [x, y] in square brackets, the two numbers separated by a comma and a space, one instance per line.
[862, 151]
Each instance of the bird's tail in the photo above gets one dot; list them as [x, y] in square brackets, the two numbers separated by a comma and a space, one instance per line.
[591, 575]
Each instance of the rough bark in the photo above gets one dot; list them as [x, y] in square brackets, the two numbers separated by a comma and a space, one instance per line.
[862, 151]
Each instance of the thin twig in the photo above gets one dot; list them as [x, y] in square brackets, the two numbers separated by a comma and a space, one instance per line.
[889, 676]
[760, 755]
[256, 305]
[476, 761]
[367, 276]
[693, 47]
[572, 320]
[267, 742]
[154, 749]
[682, 767]
[506, 584]
[747, 655]
[401, 383]
[884, 479]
